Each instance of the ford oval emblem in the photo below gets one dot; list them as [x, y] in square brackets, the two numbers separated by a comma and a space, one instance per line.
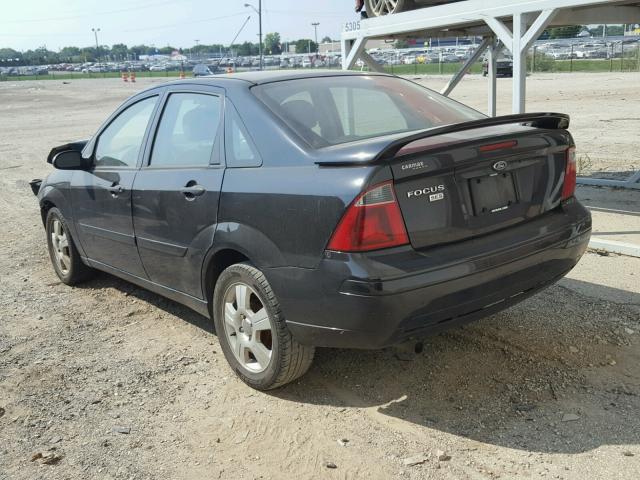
[501, 165]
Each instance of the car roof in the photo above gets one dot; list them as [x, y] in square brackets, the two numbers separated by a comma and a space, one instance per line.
[268, 76]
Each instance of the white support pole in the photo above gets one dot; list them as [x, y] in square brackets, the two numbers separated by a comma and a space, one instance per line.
[357, 47]
[492, 75]
[371, 63]
[537, 27]
[501, 31]
[518, 43]
[519, 63]
[345, 46]
[465, 67]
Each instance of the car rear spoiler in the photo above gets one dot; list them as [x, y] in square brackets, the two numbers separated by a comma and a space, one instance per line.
[549, 121]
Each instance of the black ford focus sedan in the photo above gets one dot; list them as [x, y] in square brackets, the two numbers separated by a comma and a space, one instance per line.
[319, 209]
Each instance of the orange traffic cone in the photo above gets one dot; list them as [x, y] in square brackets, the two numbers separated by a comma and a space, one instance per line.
[125, 77]
[133, 77]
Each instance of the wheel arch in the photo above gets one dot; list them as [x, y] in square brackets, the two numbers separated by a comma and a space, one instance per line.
[53, 197]
[215, 263]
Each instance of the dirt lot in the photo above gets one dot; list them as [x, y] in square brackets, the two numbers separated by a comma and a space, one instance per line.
[603, 108]
[108, 381]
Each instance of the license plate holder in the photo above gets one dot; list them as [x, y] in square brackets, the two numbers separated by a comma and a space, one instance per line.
[493, 193]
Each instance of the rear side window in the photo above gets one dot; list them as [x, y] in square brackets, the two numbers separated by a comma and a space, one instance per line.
[240, 151]
[328, 111]
[187, 131]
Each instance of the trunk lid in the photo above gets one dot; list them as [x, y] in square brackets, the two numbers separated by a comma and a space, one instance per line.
[463, 184]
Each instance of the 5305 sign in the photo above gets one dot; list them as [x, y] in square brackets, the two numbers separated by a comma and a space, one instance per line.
[352, 26]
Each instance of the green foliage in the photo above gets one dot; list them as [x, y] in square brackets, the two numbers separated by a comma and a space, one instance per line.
[272, 44]
[119, 51]
[570, 31]
[244, 49]
[401, 44]
[326, 39]
[613, 30]
[543, 63]
[70, 54]
[306, 45]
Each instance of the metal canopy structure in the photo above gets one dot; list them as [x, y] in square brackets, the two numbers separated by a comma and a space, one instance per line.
[516, 24]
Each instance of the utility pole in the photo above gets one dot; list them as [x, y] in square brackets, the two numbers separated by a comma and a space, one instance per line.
[260, 30]
[95, 33]
[315, 28]
[259, 12]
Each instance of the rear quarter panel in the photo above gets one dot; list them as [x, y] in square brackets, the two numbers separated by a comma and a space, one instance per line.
[285, 215]
[283, 212]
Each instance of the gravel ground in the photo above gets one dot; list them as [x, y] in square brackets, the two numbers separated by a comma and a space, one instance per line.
[603, 108]
[109, 381]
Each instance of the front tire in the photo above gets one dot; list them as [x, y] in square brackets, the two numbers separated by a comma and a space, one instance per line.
[252, 331]
[63, 252]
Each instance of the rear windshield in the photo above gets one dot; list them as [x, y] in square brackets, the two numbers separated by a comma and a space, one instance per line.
[332, 110]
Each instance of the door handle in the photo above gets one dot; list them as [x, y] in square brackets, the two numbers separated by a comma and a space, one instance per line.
[116, 190]
[192, 191]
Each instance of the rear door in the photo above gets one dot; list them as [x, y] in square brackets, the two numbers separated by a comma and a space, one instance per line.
[101, 196]
[176, 193]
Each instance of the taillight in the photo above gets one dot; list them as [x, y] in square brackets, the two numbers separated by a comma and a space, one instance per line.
[373, 221]
[570, 173]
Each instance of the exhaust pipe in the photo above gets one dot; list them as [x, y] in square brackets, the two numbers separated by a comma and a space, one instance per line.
[407, 351]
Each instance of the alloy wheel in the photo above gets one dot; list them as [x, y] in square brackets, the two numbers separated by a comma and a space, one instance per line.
[247, 327]
[383, 7]
[60, 244]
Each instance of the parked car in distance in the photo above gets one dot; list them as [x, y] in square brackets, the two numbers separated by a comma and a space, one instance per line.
[201, 70]
[303, 209]
[504, 67]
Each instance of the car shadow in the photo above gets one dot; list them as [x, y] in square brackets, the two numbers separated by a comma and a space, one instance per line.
[552, 375]
[104, 281]
[507, 380]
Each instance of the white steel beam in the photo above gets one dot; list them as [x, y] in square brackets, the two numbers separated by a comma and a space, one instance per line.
[518, 43]
[345, 47]
[348, 61]
[502, 32]
[371, 63]
[537, 28]
[492, 75]
[465, 67]
[519, 63]
[468, 12]
[598, 14]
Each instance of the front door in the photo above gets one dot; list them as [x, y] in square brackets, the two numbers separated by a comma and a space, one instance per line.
[101, 197]
[176, 193]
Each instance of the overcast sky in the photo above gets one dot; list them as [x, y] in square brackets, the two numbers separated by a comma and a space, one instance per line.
[26, 24]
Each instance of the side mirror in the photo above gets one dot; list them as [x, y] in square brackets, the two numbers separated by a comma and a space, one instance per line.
[69, 160]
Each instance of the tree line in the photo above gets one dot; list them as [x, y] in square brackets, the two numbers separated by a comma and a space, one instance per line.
[272, 45]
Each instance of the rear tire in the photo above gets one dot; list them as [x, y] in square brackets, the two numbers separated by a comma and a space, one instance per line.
[63, 252]
[252, 331]
[377, 8]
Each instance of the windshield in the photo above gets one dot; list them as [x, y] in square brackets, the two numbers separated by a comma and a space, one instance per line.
[332, 110]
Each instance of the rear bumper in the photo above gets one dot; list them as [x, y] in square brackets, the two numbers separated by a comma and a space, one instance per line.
[381, 298]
